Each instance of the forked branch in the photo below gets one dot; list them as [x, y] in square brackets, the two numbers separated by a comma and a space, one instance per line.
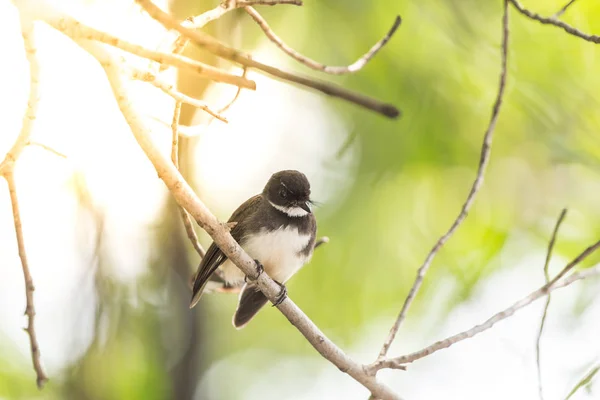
[221, 50]
[555, 22]
[554, 284]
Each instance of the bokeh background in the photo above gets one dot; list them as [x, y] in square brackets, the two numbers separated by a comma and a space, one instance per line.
[111, 261]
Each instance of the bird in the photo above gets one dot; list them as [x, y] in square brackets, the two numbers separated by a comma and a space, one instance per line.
[277, 228]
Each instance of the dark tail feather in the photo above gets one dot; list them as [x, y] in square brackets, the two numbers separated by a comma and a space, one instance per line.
[251, 301]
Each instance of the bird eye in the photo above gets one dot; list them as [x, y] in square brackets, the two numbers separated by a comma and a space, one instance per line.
[282, 193]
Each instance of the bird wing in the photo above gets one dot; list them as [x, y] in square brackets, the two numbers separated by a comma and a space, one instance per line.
[214, 257]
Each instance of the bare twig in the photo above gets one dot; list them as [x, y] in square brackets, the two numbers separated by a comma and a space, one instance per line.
[561, 218]
[185, 217]
[7, 171]
[542, 291]
[354, 67]
[199, 21]
[556, 22]
[587, 378]
[214, 46]
[47, 148]
[169, 89]
[78, 31]
[563, 9]
[185, 197]
[486, 149]
[237, 94]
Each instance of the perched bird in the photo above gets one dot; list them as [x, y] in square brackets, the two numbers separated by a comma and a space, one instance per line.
[277, 229]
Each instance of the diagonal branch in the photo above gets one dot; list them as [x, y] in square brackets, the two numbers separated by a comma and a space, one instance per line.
[185, 217]
[556, 22]
[561, 218]
[541, 292]
[185, 197]
[7, 171]
[486, 149]
[214, 46]
[77, 31]
[354, 67]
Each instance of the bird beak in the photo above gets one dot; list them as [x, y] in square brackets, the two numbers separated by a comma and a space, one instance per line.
[304, 205]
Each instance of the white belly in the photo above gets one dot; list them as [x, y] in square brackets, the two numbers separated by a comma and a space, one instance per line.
[278, 251]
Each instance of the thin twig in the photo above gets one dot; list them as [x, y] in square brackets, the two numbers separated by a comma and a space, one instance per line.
[42, 378]
[7, 171]
[214, 46]
[542, 291]
[237, 94]
[563, 9]
[169, 89]
[199, 21]
[348, 69]
[587, 378]
[556, 22]
[185, 217]
[561, 218]
[486, 149]
[78, 31]
[47, 148]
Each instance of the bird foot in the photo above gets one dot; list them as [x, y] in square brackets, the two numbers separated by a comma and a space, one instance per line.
[281, 296]
[259, 270]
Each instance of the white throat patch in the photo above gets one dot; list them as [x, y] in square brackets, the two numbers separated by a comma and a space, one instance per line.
[290, 211]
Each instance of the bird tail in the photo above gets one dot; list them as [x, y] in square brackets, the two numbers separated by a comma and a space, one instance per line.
[251, 301]
[215, 284]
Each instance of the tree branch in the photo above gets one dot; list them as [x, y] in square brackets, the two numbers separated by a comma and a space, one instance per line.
[7, 171]
[214, 46]
[556, 22]
[354, 67]
[76, 30]
[561, 218]
[148, 76]
[587, 378]
[486, 149]
[542, 291]
[185, 217]
[186, 198]
[563, 9]
[47, 148]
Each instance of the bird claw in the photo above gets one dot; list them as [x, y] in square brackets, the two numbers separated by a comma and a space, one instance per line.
[281, 296]
[259, 270]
